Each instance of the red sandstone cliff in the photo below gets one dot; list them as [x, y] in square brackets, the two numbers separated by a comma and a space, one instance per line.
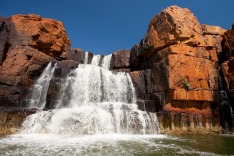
[175, 67]
[181, 55]
[27, 44]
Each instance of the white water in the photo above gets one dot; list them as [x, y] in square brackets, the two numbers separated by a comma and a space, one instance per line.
[86, 57]
[111, 145]
[106, 62]
[96, 60]
[39, 91]
[101, 102]
[102, 61]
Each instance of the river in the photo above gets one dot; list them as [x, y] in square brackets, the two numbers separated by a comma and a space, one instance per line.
[114, 144]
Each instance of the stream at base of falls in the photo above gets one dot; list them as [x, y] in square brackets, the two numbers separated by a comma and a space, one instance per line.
[116, 144]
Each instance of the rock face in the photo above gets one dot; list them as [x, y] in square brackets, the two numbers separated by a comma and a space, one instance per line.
[11, 120]
[120, 61]
[228, 61]
[27, 44]
[175, 65]
[173, 26]
[183, 122]
[79, 55]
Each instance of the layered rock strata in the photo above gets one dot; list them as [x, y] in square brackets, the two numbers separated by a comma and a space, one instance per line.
[174, 68]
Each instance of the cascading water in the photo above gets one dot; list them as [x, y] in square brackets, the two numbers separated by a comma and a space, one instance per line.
[102, 102]
[96, 115]
[96, 60]
[86, 57]
[106, 62]
[39, 91]
[225, 109]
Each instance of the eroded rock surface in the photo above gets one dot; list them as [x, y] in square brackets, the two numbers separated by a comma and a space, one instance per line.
[27, 44]
[228, 60]
[182, 56]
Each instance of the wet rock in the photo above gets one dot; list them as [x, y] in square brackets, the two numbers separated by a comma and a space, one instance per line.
[180, 123]
[64, 67]
[139, 82]
[146, 105]
[142, 82]
[53, 95]
[227, 59]
[159, 100]
[126, 70]
[9, 96]
[12, 119]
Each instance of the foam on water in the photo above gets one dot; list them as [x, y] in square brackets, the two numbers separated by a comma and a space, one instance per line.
[100, 102]
[108, 144]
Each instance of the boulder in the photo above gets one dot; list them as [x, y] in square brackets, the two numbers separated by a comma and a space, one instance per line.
[120, 59]
[79, 55]
[46, 35]
[64, 67]
[174, 25]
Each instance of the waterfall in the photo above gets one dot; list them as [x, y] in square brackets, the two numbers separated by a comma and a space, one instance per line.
[86, 57]
[37, 98]
[106, 61]
[96, 60]
[101, 102]
[225, 109]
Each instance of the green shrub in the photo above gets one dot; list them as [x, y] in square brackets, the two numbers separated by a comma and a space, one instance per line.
[185, 84]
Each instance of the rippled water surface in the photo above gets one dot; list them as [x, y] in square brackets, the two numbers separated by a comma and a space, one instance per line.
[43, 144]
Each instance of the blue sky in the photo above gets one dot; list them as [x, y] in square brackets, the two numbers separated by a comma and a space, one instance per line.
[104, 26]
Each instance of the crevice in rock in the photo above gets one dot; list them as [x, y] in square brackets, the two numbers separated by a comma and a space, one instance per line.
[36, 37]
[4, 55]
[121, 68]
[4, 84]
[146, 83]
